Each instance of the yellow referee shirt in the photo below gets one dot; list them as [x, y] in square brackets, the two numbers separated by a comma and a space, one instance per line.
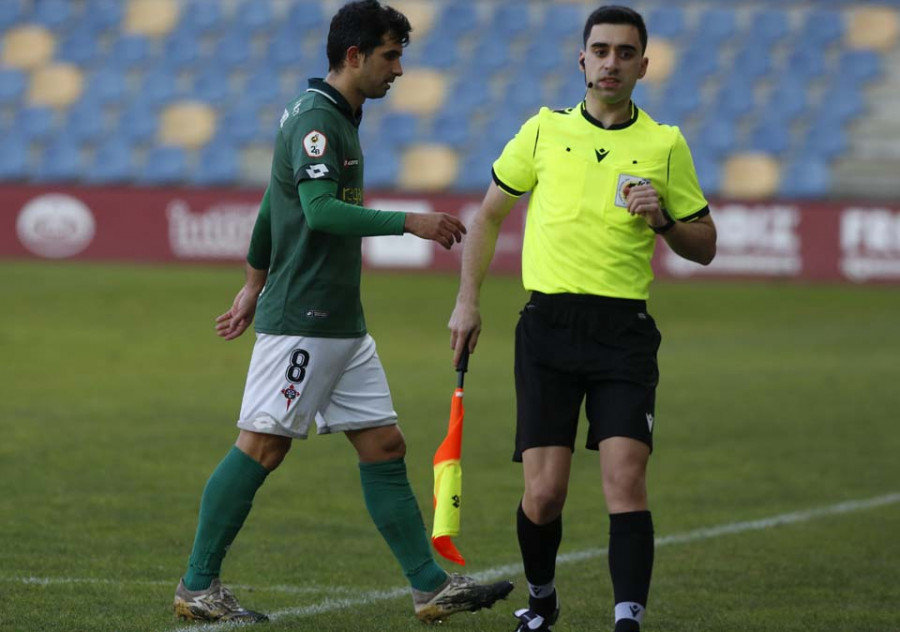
[579, 236]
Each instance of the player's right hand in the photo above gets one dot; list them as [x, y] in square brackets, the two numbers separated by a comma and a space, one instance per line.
[235, 321]
[440, 227]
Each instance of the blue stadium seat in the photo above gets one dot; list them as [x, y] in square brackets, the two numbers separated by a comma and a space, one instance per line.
[60, 162]
[475, 168]
[130, 52]
[492, 54]
[10, 14]
[440, 53]
[53, 14]
[158, 87]
[106, 86]
[253, 17]
[240, 124]
[523, 95]
[806, 177]
[113, 163]
[500, 128]
[13, 83]
[716, 26]
[840, 105]
[139, 122]
[680, 100]
[80, 46]
[101, 15]
[13, 157]
[716, 138]
[285, 49]
[381, 167]
[458, 19]
[470, 94]
[666, 22]
[399, 129]
[753, 61]
[211, 84]
[165, 165]
[788, 99]
[180, 51]
[825, 143]
[862, 66]
[772, 136]
[451, 126]
[807, 63]
[202, 17]
[698, 61]
[306, 16]
[510, 21]
[768, 26]
[709, 171]
[546, 56]
[35, 123]
[234, 49]
[735, 97]
[564, 21]
[263, 87]
[822, 27]
[85, 122]
[218, 165]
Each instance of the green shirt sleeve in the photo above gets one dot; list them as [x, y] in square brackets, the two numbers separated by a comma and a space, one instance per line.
[514, 170]
[260, 251]
[326, 213]
[314, 146]
[683, 198]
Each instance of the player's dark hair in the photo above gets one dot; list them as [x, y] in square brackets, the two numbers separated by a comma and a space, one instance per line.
[364, 24]
[614, 14]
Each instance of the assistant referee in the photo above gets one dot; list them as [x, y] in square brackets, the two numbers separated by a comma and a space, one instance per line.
[605, 180]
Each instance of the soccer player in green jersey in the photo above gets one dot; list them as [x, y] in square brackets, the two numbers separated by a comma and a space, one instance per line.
[605, 180]
[313, 361]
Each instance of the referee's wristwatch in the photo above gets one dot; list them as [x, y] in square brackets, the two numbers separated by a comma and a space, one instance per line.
[670, 223]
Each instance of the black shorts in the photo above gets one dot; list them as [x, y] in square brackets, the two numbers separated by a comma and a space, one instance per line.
[572, 347]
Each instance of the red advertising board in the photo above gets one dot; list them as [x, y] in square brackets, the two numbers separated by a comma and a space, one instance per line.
[814, 241]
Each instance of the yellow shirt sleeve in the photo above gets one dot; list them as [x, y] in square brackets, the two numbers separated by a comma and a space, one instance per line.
[514, 170]
[683, 196]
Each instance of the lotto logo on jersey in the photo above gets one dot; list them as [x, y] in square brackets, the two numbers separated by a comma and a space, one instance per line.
[624, 186]
[314, 144]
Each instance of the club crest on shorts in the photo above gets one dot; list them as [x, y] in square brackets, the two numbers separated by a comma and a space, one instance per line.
[314, 144]
[290, 394]
[624, 186]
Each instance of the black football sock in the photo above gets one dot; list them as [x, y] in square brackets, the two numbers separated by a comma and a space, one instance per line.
[539, 545]
[630, 566]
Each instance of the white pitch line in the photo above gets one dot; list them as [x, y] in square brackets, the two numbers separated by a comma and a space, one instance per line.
[497, 572]
[55, 581]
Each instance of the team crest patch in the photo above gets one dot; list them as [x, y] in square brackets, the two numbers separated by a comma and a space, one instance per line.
[624, 186]
[314, 144]
[290, 394]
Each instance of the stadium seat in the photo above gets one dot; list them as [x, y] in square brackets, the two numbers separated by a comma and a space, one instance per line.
[451, 127]
[211, 84]
[154, 18]
[285, 49]
[181, 51]
[499, 129]
[234, 50]
[60, 162]
[421, 15]
[708, 171]
[100, 16]
[666, 22]
[218, 164]
[422, 91]
[56, 85]
[698, 61]
[768, 26]
[547, 57]
[826, 144]
[54, 14]
[716, 26]
[106, 86]
[523, 96]
[130, 52]
[27, 47]
[85, 122]
[35, 123]
[428, 167]
[306, 16]
[873, 28]
[113, 163]
[240, 124]
[736, 97]
[753, 61]
[862, 66]
[510, 21]
[469, 94]
[440, 54]
[717, 138]
[662, 58]
[165, 166]
[458, 19]
[138, 122]
[788, 99]
[398, 129]
[841, 105]
[564, 22]
[79, 46]
[13, 157]
[492, 55]
[381, 166]
[806, 178]
[10, 13]
[749, 176]
[475, 169]
[159, 87]
[187, 124]
[680, 100]
[202, 17]
[253, 17]
[770, 136]
[13, 84]
[822, 27]
[806, 63]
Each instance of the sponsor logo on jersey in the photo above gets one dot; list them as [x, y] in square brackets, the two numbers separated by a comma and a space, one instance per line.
[55, 226]
[317, 171]
[601, 154]
[626, 182]
[351, 163]
[290, 394]
[315, 144]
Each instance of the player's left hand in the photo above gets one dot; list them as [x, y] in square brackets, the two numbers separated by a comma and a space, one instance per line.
[235, 321]
[643, 201]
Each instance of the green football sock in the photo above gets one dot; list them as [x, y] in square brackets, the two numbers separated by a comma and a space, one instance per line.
[394, 510]
[226, 502]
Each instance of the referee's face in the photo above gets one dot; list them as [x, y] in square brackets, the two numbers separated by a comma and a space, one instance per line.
[380, 68]
[613, 61]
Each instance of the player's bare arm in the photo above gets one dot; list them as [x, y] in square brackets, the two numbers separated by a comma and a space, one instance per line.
[465, 322]
[695, 241]
[235, 321]
[440, 227]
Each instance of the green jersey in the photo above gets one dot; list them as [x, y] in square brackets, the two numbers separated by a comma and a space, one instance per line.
[312, 248]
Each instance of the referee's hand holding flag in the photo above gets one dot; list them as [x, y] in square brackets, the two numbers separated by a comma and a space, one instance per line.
[448, 473]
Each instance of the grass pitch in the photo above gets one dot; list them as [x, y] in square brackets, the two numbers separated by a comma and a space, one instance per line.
[118, 401]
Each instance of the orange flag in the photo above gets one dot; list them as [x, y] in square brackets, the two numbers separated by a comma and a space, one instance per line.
[448, 476]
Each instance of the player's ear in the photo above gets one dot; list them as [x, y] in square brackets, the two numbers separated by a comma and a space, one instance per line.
[644, 63]
[581, 60]
[354, 58]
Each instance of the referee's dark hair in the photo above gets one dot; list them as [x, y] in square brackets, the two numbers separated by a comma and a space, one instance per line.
[614, 14]
[363, 24]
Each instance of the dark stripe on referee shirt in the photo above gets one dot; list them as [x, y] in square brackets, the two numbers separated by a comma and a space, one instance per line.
[504, 186]
[703, 212]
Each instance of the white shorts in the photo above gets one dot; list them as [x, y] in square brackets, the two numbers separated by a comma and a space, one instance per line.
[293, 380]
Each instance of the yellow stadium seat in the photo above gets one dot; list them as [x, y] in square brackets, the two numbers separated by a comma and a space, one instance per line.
[874, 28]
[188, 124]
[419, 90]
[154, 18]
[428, 167]
[419, 13]
[661, 56]
[27, 47]
[750, 176]
[56, 85]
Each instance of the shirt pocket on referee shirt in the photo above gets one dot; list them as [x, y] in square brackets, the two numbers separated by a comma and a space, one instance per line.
[561, 181]
[625, 175]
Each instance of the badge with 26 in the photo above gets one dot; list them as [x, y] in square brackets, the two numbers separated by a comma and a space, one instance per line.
[314, 144]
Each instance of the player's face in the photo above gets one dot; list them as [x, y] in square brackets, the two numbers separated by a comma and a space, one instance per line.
[613, 61]
[380, 68]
